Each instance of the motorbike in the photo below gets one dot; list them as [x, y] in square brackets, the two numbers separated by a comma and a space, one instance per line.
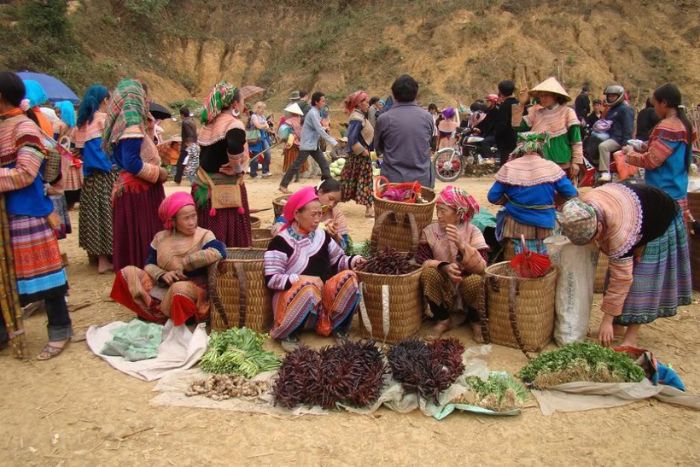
[467, 157]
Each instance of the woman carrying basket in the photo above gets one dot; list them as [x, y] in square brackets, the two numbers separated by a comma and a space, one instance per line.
[526, 187]
[173, 284]
[453, 254]
[314, 286]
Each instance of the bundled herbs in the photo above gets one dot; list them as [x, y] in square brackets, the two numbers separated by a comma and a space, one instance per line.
[427, 369]
[581, 361]
[350, 373]
[389, 262]
[238, 351]
[500, 393]
[222, 387]
[363, 249]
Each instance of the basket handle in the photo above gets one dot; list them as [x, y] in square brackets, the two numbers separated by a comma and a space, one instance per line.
[376, 230]
[386, 322]
[214, 293]
[512, 302]
[415, 234]
[483, 312]
[378, 183]
[242, 294]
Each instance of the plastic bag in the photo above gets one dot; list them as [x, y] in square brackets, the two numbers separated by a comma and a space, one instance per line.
[574, 297]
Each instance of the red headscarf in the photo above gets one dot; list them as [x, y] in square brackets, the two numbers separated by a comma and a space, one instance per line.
[297, 201]
[460, 200]
[171, 205]
[353, 100]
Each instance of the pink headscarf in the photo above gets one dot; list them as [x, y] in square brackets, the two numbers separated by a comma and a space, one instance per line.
[463, 202]
[353, 100]
[171, 205]
[297, 201]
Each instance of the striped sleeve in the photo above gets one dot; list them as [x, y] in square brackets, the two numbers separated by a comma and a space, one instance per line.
[338, 257]
[25, 170]
[276, 270]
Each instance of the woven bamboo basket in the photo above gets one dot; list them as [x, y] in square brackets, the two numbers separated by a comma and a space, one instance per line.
[238, 293]
[401, 317]
[396, 223]
[261, 238]
[278, 204]
[520, 311]
[600, 273]
[255, 222]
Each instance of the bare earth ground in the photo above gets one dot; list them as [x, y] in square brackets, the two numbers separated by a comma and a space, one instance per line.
[76, 410]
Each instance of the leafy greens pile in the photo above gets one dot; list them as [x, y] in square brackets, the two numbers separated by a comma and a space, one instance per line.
[238, 351]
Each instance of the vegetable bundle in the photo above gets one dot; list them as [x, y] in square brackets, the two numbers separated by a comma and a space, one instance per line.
[427, 369]
[389, 262]
[351, 373]
[222, 387]
[238, 351]
[500, 392]
[581, 361]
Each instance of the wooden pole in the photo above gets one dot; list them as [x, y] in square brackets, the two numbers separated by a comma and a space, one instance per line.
[9, 298]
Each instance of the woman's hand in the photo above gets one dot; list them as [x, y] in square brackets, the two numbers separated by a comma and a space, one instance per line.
[332, 229]
[524, 96]
[574, 170]
[606, 334]
[453, 235]
[226, 169]
[171, 277]
[358, 262]
[453, 271]
[162, 175]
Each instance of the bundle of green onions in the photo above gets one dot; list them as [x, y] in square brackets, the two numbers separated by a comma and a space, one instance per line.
[238, 351]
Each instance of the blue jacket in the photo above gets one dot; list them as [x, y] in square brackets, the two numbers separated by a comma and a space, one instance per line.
[622, 118]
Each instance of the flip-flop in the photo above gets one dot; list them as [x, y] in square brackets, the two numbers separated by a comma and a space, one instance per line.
[284, 190]
[50, 351]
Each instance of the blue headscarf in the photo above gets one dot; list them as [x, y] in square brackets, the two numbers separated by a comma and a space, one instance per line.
[67, 112]
[34, 92]
[91, 103]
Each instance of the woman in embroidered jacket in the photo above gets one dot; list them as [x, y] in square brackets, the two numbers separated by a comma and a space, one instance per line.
[356, 177]
[553, 117]
[641, 229]
[223, 158]
[453, 254]
[311, 276]
[667, 156]
[526, 187]
[139, 189]
[95, 234]
[173, 283]
[32, 269]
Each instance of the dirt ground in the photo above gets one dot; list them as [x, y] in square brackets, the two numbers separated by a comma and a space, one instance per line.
[77, 410]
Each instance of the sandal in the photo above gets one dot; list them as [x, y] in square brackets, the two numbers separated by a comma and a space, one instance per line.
[442, 327]
[51, 351]
[284, 190]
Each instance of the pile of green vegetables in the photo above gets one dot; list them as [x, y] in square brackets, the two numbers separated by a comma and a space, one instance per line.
[238, 351]
[581, 361]
[500, 392]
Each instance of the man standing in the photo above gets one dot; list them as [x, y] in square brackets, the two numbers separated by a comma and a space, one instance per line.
[304, 103]
[403, 135]
[189, 137]
[505, 134]
[582, 104]
[311, 132]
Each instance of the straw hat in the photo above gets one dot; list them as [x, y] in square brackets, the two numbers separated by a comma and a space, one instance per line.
[551, 85]
[294, 109]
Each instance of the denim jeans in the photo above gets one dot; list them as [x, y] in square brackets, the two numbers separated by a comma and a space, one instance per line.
[266, 160]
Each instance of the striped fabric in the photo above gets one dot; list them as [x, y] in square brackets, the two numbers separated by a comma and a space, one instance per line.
[662, 279]
[529, 170]
[619, 210]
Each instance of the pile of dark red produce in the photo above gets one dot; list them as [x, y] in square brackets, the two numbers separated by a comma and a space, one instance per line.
[389, 262]
[351, 373]
[427, 369]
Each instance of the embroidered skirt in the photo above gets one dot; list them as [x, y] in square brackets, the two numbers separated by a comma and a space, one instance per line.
[134, 224]
[311, 304]
[38, 264]
[60, 208]
[95, 216]
[356, 180]
[661, 278]
[228, 225]
[290, 155]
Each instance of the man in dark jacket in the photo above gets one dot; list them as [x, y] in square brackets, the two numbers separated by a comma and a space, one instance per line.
[504, 132]
[596, 114]
[189, 137]
[582, 105]
[646, 121]
[621, 117]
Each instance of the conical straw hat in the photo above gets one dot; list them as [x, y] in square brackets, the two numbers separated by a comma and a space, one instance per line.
[551, 85]
[294, 109]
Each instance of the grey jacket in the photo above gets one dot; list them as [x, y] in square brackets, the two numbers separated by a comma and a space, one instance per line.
[312, 131]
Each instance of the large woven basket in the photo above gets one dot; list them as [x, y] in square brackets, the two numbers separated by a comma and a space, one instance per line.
[600, 273]
[399, 224]
[238, 293]
[278, 204]
[391, 307]
[261, 238]
[520, 311]
[255, 222]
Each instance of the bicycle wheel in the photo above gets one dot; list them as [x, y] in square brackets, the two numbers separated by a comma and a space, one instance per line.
[448, 165]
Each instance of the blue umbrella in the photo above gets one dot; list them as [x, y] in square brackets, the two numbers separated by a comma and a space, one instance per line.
[56, 90]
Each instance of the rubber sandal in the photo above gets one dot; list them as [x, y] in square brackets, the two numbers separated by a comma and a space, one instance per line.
[284, 190]
[49, 351]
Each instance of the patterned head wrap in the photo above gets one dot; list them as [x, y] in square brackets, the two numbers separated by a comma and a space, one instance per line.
[126, 108]
[170, 206]
[220, 97]
[297, 201]
[578, 221]
[530, 142]
[34, 92]
[463, 202]
[353, 100]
